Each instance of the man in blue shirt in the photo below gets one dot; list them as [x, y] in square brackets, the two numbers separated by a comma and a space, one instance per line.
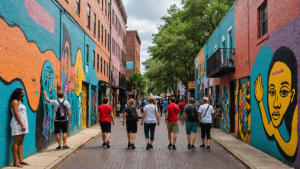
[165, 105]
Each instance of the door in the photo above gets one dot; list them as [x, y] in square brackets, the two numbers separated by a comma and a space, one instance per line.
[84, 106]
[232, 106]
[94, 105]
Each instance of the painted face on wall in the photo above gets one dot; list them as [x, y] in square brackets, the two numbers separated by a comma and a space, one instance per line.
[280, 92]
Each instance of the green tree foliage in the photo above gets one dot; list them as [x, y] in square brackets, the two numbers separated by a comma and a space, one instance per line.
[137, 82]
[184, 33]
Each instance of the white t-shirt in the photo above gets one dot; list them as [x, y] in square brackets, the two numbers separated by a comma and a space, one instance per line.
[56, 105]
[208, 116]
[150, 113]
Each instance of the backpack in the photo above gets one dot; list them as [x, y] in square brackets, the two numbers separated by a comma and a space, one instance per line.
[193, 114]
[61, 112]
[131, 115]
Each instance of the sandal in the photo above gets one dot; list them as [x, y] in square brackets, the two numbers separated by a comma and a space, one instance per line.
[17, 165]
[23, 163]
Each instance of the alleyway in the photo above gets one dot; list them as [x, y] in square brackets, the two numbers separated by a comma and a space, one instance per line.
[93, 155]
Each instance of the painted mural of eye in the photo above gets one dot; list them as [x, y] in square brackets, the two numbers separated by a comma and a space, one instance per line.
[284, 92]
[272, 92]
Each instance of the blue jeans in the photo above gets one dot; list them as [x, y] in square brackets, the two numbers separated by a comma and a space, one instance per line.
[151, 127]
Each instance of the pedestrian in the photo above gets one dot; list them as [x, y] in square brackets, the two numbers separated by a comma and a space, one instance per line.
[140, 103]
[206, 115]
[191, 115]
[105, 114]
[182, 105]
[131, 115]
[118, 109]
[149, 120]
[165, 104]
[217, 114]
[18, 125]
[142, 106]
[60, 112]
[172, 122]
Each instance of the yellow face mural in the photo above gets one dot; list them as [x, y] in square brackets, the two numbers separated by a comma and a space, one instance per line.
[80, 76]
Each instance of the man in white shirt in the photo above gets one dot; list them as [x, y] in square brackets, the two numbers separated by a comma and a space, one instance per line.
[206, 118]
[60, 118]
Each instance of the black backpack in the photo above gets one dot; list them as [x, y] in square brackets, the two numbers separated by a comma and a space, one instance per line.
[131, 115]
[61, 112]
[193, 114]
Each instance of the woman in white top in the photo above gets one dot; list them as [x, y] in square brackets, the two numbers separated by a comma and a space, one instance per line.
[150, 116]
[19, 125]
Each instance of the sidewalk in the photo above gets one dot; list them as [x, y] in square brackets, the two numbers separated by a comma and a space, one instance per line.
[50, 158]
[249, 156]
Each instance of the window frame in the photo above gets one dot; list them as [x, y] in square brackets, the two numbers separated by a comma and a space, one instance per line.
[78, 7]
[102, 33]
[99, 29]
[95, 24]
[263, 21]
[101, 64]
[89, 16]
[108, 41]
[105, 7]
[105, 39]
[87, 53]
[104, 68]
[94, 58]
[97, 62]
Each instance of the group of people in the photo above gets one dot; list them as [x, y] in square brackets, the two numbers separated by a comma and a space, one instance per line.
[204, 116]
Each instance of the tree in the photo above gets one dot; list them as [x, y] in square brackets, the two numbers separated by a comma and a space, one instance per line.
[137, 82]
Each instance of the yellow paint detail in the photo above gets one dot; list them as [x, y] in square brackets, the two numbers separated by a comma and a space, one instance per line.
[80, 76]
[84, 107]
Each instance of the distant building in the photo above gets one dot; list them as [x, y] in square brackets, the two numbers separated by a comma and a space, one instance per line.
[133, 45]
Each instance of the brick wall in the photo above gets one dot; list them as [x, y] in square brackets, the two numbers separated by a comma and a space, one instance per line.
[132, 51]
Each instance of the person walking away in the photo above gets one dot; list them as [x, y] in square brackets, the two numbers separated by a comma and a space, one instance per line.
[172, 122]
[149, 120]
[191, 113]
[217, 114]
[18, 125]
[118, 109]
[145, 103]
[142, 106]
[140, 103]
[165, 104]
[206, 115]
[106, 114]
[60, 112]
[182, 105]
[131, 115]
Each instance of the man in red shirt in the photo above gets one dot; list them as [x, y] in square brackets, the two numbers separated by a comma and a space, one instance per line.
[172, 122]
[105, 113]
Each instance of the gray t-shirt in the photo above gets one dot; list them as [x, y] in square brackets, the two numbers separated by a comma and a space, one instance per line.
[208, 116]
[150, 113]
[56, 105]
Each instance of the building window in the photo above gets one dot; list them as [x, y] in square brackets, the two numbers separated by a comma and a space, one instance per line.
[101, 65]
[87, 53]
[94, 57]
[264, 20]
[104, 67]
[94, 24]
[78, 7]
[102, 5]
[113, 15]
[97, 62]
[102, 33]
[107, 70]
[88, 15]
[108, 10]
[98, 29]
[105, 38]
[108, 41]
[106, 7]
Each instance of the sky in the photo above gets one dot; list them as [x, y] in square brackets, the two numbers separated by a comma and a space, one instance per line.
[144, 16]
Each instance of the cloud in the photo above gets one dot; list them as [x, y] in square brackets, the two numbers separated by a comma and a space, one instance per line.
[141, 25]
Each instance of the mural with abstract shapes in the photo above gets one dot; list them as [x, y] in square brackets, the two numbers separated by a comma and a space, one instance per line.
[94, 106]
[243, 110]
[225, 122]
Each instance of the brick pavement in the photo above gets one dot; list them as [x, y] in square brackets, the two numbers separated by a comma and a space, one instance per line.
[93, 155]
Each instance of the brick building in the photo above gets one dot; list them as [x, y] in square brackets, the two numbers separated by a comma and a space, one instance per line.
[250, 66]
[133, 46]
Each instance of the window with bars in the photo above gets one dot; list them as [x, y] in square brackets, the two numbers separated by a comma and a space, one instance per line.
[88, 15]
[94, 57]
[97, 62]
[78, 7]
[94, 24]
[87, 53]
[98, 29]
[264, 20]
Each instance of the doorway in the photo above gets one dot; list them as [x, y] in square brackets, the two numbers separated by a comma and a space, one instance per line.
[232, 106]
[85, 106]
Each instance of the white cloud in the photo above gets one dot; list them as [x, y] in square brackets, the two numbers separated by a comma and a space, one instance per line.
[141, 25]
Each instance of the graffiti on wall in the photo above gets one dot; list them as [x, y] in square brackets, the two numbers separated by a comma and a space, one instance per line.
[84, 106]
[225, 122]
[94, 106]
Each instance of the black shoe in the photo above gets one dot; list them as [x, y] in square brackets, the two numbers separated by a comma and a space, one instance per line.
[129, 145]
[132, 146]
[65, 147]
[174, 148]
[189, 146]
[58, 148]
[208, 148]
[107, 144]
[104, 144]
[148, 146]
[170, 146]
[151, 146]
[193, 147]
[202, 146]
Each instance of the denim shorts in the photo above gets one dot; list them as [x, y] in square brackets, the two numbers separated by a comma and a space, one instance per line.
[191, 127]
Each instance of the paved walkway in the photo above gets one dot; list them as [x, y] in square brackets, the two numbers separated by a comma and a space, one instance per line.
[93, 155]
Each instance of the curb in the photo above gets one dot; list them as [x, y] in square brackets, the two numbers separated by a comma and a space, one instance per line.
[70, 153]
[237, 157]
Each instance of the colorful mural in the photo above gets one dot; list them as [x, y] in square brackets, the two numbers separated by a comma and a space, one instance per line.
[225, 122]
[94, 105]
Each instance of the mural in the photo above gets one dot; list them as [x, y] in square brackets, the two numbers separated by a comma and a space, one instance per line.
[225, 122]
[94, 105]
[84, 106]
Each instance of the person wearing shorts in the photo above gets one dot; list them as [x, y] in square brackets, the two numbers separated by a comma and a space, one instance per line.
[105, 113]
[131, 125]
[172, 122]
[191, 127]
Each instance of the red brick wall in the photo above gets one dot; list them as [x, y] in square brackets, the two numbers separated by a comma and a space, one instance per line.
[132, 51]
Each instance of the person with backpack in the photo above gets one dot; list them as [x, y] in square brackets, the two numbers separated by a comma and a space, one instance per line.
[191, 113]
[105, 113]
[60, 112]
[131, 115]
[206, 117]
[150, 117]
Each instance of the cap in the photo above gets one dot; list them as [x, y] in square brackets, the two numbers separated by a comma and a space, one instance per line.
[205, 98]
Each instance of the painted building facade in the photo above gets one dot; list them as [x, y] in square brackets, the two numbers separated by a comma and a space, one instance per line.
[52, 45]
[256, 78]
